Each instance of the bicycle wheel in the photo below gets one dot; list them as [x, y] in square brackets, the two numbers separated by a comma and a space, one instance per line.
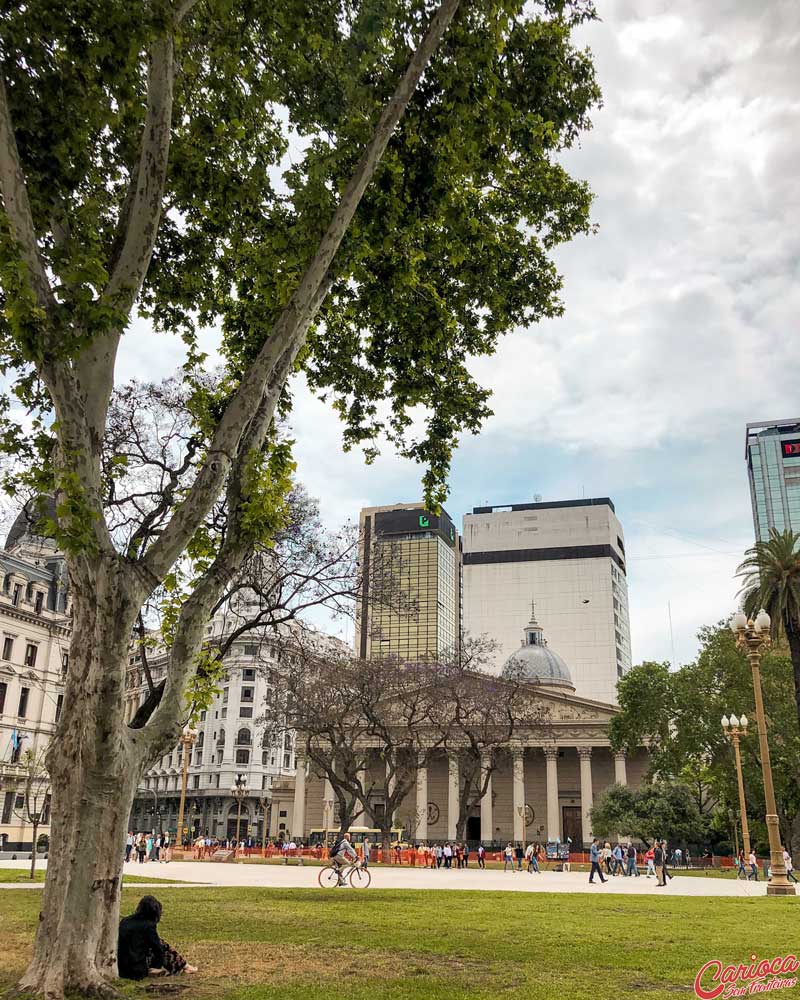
[360, 878]
[328, 877]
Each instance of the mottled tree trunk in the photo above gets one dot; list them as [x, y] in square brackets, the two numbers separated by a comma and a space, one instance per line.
[95, 763]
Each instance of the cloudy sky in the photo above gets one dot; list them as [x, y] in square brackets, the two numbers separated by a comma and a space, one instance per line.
[681, 318]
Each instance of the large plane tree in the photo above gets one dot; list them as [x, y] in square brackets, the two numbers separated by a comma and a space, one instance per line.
[365, 191]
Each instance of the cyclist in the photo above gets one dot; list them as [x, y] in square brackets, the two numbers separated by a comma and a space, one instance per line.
[343, 853]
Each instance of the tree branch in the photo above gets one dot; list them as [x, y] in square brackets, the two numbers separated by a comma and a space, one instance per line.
[18, 207]
[280, 350]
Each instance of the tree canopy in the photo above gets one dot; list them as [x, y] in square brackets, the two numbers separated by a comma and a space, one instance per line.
[677, 715]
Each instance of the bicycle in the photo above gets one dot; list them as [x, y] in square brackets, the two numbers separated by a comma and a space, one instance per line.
[358, 876]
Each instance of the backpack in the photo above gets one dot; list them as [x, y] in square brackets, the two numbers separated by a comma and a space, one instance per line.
[336, 847]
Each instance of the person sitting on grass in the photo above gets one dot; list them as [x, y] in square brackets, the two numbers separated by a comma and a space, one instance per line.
[140, 951]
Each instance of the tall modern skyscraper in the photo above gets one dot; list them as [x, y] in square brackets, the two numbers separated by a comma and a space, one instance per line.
[569, 557]
[410, 603]
[772, 450]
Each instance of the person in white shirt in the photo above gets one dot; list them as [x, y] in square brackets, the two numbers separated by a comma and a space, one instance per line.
[787, 864]
[753, 862]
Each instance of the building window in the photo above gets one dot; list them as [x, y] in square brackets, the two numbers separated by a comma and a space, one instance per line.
[23, 703]
[243, 738]
[39, 602]
[250, 650]
[242, 756]
[264, 755]
[8, 647]
[224, 713]
[195, 781]
[30, 655]
[17, 593]
[221, 738]
[286, 759]
[287, 742]
[64, 662]
[247, 694]
[3, 689]
[59, 706]
[225, 692]
[245, 713]
[248, 674]
[197, 757]
[216, 780]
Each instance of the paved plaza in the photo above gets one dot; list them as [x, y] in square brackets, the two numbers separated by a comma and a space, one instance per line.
[278, 876]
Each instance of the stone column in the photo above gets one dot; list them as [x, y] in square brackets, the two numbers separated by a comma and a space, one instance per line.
[553, 817]
[487, 821]
[327, 811]
[452, 796]
[390, 784]
[585, 755]
[360, 818]
[422, 804]
[299, 808]
[620, 769]
[518, 780]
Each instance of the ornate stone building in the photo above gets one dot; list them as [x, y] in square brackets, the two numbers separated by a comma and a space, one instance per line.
[230, 743]
[34, 654]
[542, 788]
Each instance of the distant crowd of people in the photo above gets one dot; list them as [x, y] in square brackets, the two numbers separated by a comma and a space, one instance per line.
[148, 847]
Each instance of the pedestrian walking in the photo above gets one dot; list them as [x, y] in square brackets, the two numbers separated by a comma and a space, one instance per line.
[753, 861]
[617, 863]
[508, 858]
[594, 857]
[466, 855]
[141, 848]
[658, 860]
[481, 856]
[129, 842]
[787, 863]
[632, 868]
[649, 858]
[606, 857]
[367, 852]
[741, 871]
[519, 854]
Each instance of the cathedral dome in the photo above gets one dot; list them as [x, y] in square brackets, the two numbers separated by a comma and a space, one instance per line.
[534, 662]
[30, 517]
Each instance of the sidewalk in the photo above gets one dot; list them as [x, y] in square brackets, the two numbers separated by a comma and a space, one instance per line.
[295, 877]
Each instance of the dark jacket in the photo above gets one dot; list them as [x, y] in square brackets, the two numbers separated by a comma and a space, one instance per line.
[658, 857]
[139, 947]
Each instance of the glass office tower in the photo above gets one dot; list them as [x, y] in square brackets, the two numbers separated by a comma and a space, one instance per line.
[773, 466]
[411, 582]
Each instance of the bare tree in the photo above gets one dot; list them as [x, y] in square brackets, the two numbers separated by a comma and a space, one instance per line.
[480, 716]
[350, 713]
[35, 795]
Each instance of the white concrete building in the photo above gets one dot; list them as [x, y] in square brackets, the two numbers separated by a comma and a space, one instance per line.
[230, 742]
[568, 557]
[34, 655]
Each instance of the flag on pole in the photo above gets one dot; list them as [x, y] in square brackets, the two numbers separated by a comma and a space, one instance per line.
[15, 739]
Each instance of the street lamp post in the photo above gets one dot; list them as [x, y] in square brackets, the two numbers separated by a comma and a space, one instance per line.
[752, 637]
[734, 729]
[264, 805]
[187, 740]
[239, 791]
[521, 814]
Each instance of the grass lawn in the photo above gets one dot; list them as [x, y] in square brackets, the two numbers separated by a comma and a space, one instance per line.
[271, 944]
[23, 875]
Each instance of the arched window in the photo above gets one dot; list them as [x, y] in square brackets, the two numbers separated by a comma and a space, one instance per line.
[265, 739]
[200, 739]
[243, 738]
[221, 738]
[242, 756]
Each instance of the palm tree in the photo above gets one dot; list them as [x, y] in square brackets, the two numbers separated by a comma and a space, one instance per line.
[771, 572]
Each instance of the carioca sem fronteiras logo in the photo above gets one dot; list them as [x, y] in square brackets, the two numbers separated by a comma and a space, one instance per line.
[716, 980]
